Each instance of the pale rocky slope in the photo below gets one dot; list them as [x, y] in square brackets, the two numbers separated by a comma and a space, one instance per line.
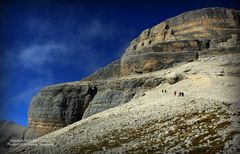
[205, 120]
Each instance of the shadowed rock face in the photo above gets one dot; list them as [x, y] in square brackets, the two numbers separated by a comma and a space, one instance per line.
[10, 131]
[179, 39]
[114, 93]
[57, 106]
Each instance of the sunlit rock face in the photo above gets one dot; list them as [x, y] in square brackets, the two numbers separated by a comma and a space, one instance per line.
[181, 39]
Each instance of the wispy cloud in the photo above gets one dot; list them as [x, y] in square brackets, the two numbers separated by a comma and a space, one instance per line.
[39, 55]
[75, 49]
[73, 44]
[66, 45]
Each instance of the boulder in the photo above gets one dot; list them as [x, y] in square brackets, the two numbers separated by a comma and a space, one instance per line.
[174, 77]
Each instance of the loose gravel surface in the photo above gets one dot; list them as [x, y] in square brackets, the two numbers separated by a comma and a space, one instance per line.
[205, 120]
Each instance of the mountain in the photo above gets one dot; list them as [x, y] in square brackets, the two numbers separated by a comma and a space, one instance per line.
[130, 106]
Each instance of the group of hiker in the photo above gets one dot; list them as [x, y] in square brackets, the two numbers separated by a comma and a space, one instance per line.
[180, 94]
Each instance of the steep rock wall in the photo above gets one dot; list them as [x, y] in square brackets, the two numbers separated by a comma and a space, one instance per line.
[209, 28]
[57, 106]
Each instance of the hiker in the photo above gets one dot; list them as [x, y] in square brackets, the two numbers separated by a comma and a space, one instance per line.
[165, 91]
[175, 93]
[162, 90]
[179, 94]
[182, 94]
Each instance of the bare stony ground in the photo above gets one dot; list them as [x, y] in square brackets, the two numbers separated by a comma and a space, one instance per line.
[205, 120]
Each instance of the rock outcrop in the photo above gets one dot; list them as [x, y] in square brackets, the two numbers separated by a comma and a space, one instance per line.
[177, 40]
[12, 134]
[58, 106]
[113, 93]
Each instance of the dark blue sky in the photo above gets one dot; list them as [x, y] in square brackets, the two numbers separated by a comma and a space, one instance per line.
[45, 42]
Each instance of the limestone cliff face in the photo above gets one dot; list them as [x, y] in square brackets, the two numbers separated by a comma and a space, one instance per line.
[179, 39]
[57, 106]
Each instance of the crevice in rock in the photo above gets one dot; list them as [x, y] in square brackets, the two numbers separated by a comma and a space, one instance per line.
[197, 56]
[204, 44]
[165, 31]
[139, 72]
[73, 108]
[24, 134]
[150, 42]
[166, 27]
[134, 47]
[90, 96]
[64, 108]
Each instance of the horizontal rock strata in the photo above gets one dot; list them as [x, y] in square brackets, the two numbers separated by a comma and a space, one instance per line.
[191, 31]
[57, 106]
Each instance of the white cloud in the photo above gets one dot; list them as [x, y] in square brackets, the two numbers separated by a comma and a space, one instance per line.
[37, 56]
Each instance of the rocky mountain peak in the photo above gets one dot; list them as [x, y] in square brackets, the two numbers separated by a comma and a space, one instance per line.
[177, 40]
[158, 47]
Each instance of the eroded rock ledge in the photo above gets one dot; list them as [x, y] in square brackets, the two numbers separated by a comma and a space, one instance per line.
[186, 34]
